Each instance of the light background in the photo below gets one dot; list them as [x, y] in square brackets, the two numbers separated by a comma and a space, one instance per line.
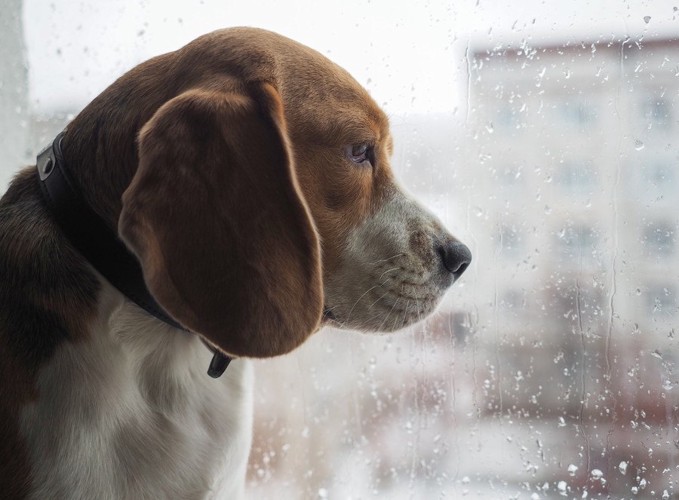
[436, 412]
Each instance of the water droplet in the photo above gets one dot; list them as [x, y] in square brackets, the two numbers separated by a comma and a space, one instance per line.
[622, 467]
[656, 354]
[647, 19]
[639, 145]
[667, 385]
[665, 494]
[597, 474]
[548, 209]
[562, 486]
[562, 422]
[572, 469]
[638, 291]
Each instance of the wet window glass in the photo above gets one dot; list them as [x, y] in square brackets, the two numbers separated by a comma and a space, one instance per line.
[543, 135]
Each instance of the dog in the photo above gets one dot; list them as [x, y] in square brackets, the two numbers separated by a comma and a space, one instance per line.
[247, 178]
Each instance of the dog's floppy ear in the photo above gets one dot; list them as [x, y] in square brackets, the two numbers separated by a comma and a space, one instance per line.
[215, 215]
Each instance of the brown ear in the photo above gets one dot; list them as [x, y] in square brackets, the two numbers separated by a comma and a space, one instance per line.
[216, 218]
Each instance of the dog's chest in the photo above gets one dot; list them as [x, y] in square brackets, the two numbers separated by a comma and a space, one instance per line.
[131, 413]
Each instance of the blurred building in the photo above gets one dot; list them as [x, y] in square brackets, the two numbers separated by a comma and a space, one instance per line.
[578, 170]
[578, 146]
[550, 370]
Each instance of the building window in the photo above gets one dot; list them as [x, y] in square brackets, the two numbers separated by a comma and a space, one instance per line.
[577, 243]
[576, 113]
[659, 238]
[660, 176]
[657, 112]
[578, 304]
[661, 300]
[506, 117]
[576, 178]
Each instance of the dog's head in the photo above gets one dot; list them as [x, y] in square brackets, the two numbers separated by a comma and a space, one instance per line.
[263, 202]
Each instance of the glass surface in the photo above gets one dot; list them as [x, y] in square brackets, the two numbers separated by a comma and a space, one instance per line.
[544, 135]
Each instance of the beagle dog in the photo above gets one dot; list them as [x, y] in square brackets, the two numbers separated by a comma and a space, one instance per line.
[247, 177]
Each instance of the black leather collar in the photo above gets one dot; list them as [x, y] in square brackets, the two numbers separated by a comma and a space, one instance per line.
[102, 248]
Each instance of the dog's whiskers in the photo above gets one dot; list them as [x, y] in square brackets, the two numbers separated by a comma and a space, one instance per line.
[387, 271]
[358, 300]
[386, 317]
[387, 259]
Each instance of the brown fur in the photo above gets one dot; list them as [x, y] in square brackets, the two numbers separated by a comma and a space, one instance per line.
[316, 118]
[215, 215]
[222, 164]
[47, 296]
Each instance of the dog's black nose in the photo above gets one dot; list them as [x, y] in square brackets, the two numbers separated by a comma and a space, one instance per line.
[455, 257]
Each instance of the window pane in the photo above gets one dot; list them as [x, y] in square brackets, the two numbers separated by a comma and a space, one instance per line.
[544, 135]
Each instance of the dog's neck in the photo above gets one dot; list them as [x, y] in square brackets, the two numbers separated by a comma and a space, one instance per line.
[98, 243]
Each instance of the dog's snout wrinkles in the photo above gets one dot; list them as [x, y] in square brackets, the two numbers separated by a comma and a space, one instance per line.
[455, 257]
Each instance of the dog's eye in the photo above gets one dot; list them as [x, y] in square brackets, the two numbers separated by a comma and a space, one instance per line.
[360, 153]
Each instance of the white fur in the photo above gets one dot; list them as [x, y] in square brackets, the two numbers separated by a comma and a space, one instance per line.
[132, 414]
[390, 275]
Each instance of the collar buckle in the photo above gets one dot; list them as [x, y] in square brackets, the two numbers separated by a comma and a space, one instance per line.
[46, 161]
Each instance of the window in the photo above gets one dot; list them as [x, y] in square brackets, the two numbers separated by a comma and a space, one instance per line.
[544, 135]
[579, 114]
[657, 113]
[577, 243]
[659, 238]
[661, 177]
[661, 300]
[576, 178]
